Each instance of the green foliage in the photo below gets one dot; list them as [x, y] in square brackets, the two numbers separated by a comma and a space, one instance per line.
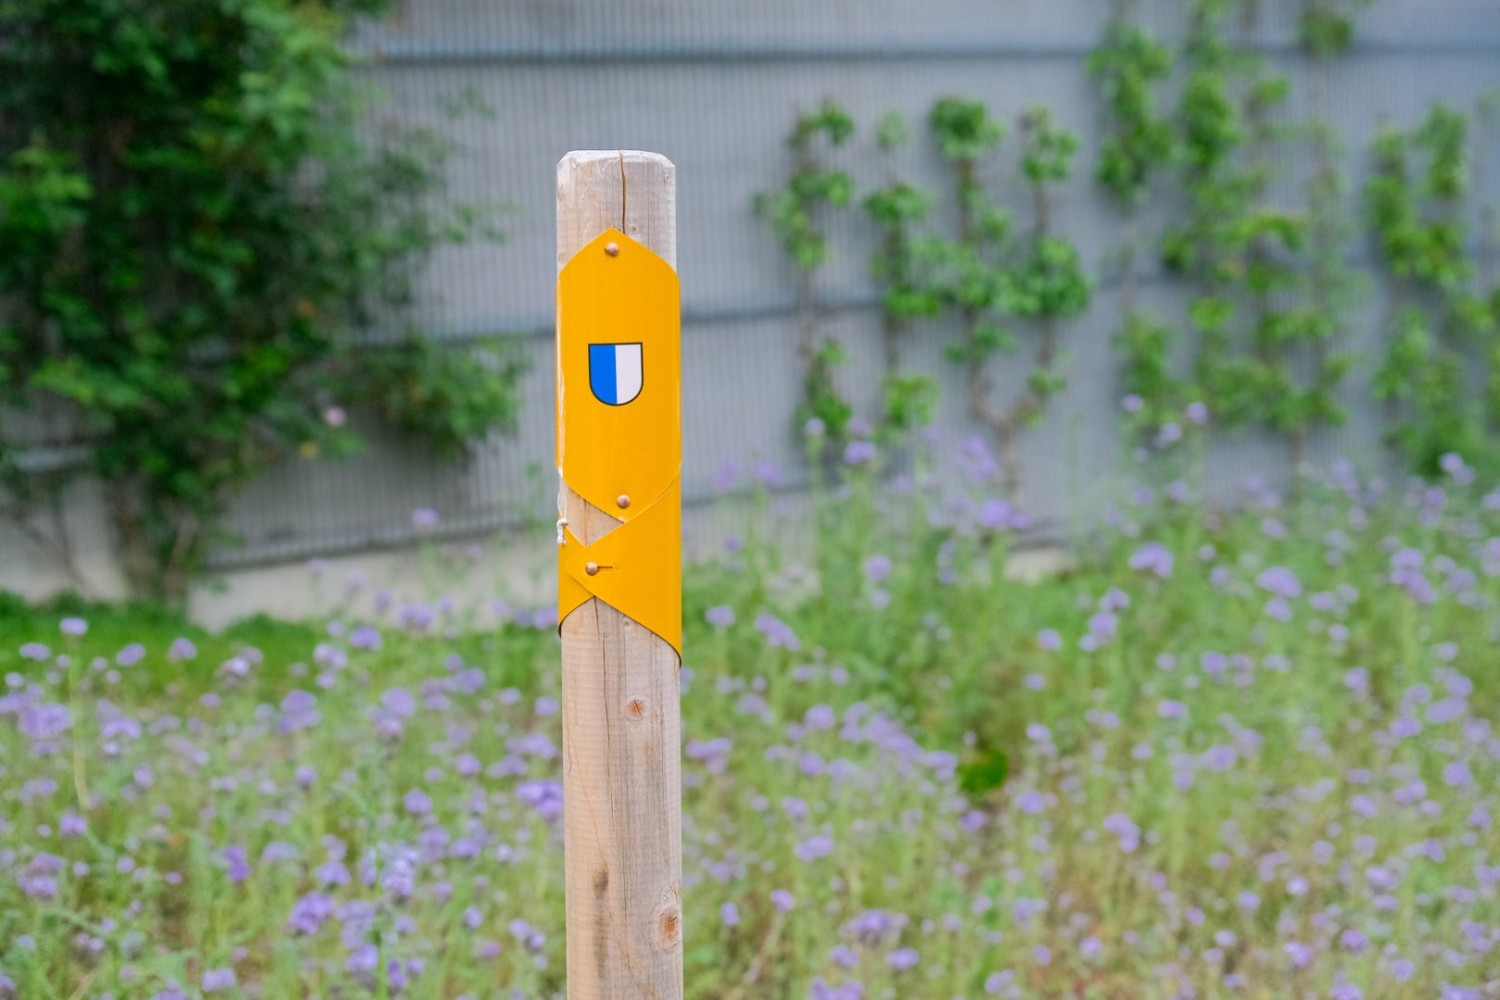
[791, 210]
[991, 276]
[1129, 65]
[1270, 292]
[1150, 378]
[1267, 280]
[1438, 374]
[822, 400]
[794, 216]
[1048, 281]
[891, 131]
[964, 129]
[191, 239]
[907, 400]
[428, 389]
[1048, 156]
[985, 774]
[1326, 27]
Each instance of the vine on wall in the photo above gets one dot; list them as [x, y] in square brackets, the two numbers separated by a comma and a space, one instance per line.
[1129, 67]
[1270, 289]
[1333, 288]
[1440, 329]
[999, 283]
[796, 213]
[896, 208]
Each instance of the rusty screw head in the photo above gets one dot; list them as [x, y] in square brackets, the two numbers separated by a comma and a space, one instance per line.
[592, 569]
[613, 249]
[622, 501]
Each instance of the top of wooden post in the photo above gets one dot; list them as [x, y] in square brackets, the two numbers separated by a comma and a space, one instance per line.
[633, 191]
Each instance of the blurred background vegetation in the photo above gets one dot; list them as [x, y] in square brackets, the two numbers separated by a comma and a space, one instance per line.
[254, 288]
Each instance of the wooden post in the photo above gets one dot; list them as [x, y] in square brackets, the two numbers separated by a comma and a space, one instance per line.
[622, 772]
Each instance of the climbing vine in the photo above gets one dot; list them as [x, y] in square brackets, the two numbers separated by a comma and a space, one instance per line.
[1264, 323]
[1487, 144]
[1441, 331]
[795, 214]
[996, 279]
[1325, 28]
[896, 208]
[1259, 234]
[1207, 247]
[1129, 67]
[1332, 287]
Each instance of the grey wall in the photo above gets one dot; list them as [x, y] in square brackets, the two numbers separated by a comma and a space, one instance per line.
[716, 86]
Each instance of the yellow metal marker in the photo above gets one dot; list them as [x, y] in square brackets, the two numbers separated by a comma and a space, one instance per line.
[619, 430]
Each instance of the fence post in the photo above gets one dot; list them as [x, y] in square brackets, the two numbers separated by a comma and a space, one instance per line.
[619, 451]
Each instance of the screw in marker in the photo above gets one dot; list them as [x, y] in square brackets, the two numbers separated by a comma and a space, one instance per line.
[612, 249]
[622, 501]
[592, 569]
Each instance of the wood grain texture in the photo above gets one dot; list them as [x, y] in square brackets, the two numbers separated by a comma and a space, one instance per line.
[622, 726]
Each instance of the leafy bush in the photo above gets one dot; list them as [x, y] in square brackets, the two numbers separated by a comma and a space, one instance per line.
[193, 244]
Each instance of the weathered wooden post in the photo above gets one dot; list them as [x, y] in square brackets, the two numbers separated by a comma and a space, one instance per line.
[619, 452]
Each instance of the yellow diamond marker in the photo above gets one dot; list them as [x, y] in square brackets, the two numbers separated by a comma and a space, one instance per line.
[619, 430]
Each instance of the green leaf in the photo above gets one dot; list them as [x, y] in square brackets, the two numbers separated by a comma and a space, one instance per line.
[985, 773]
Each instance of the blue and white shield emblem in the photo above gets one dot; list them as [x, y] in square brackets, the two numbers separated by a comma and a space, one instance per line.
[615, 372]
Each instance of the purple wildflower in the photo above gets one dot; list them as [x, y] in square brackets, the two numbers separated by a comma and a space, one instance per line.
[814, 847]
[365, 637]
[777, 632]
[1153, 557]
[531, 939]
[299, 710]
[363, 959]
[1280, 581]
[1300, 954]
[544, 796]
[995, 982]
[1031, 802]
[873, 926]
[998, 515]
[236, 863]
[1122, 827]
[215, 980]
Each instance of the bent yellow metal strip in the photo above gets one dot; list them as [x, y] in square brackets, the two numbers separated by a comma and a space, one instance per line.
[619, 429]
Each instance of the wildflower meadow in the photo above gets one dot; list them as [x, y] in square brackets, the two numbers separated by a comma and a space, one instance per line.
[1226, 751]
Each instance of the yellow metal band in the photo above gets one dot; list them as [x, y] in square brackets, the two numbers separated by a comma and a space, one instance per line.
[636, 569]
[619, 430]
